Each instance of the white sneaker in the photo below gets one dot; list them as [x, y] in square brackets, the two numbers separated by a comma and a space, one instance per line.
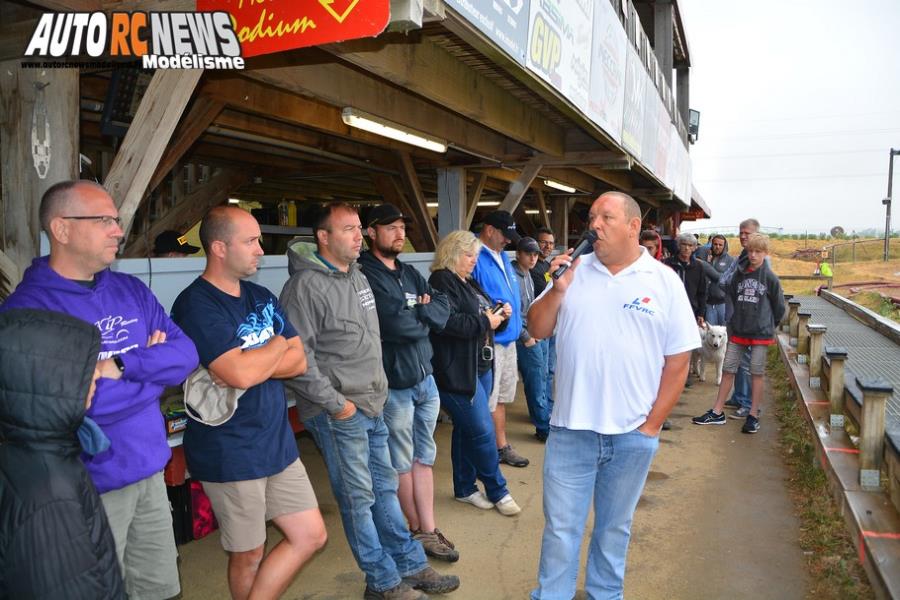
[477, 499]
[507, 506]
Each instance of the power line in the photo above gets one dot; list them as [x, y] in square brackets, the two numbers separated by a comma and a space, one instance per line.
[790, 177]
[798, 135]
[811, 118]
[787, 154]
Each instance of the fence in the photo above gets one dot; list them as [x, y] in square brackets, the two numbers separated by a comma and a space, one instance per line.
[862, 250]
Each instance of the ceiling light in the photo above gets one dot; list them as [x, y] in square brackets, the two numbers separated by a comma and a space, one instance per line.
[362, 120]
[534, 211]
[431, 204]
[233, 201]
[489, 203]
[559, 186]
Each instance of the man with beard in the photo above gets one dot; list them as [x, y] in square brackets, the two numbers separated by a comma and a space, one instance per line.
[720, 260]
[408, 309]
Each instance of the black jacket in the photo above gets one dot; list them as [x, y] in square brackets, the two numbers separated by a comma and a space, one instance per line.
[539, 276]
[694, 278]
[457, 347]
[55, 540]
[754, 301]
[405, 347]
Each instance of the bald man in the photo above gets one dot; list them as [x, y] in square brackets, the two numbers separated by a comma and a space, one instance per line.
[624, 335]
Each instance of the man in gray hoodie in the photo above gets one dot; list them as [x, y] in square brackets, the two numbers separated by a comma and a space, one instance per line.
[717, 256]
[341, 398]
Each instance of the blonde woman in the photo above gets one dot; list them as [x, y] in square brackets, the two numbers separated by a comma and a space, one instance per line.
[463, 370]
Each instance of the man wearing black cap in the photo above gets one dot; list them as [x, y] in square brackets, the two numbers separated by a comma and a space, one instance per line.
[407, 310]
[495, 274]
[171, 244]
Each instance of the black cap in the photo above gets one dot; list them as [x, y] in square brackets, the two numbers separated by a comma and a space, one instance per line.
[502, 220]
[527, 244]
[172, 241]
[385, 214]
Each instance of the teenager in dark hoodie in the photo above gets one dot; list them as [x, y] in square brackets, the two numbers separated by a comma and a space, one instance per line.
[55, 540]
[719, 260]
[756, 305]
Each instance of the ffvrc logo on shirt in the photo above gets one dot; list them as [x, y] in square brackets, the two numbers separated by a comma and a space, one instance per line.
[640, 305]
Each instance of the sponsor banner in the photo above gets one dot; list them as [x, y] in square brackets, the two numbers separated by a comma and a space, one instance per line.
[609, 53]
[652, 106]
[267, 26]
[636, 80]
[559, 46]
[672, 158]
[503, 21]
[664, 142]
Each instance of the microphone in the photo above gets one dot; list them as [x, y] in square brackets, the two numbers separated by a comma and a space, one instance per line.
[587, 240]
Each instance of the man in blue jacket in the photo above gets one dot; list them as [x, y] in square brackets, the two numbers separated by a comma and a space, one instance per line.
[141, 352]
[408, 309]
[495, 273]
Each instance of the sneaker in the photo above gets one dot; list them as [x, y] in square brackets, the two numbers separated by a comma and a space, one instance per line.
[541, 436]
[431, 582]
[751, 425]
[477, 499]
[507, 506]
[667, 425]
[709, 418]
[511, 457]
[740, 413]
[436, 545]
[732, 403]
[399, 592]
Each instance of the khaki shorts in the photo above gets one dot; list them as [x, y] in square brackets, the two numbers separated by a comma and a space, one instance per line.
[243, 507]
[506, 375]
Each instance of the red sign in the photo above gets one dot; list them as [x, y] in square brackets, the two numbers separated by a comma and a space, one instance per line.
[267, 26]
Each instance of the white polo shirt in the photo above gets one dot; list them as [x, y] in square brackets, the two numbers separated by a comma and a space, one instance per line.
[613, 333]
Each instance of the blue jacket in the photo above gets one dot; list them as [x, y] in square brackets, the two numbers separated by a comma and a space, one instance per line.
[501, 289]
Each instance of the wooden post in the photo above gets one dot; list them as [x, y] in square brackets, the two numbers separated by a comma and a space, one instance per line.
[785, 319]
[38, 147]
[834, 375]
[871, 435]
[816, 343]
[451, 184]
[793, 321]
[802, 335]
[560, 220]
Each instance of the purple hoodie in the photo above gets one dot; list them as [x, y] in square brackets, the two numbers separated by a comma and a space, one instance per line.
[127, 410]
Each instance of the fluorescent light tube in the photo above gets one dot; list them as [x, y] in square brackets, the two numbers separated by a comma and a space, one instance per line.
[559, 186]
[362, 120]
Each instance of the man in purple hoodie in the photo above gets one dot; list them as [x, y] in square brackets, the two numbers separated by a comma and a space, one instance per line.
[141, 352]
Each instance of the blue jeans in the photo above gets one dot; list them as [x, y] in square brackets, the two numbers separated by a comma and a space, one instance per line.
[533, 366]
[473, 445]
[715, 314]
[551, 369]
[580, 466]
[741, 393]
[410, 416]
[365, 487]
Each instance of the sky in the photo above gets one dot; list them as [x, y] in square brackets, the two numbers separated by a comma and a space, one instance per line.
[799, 106]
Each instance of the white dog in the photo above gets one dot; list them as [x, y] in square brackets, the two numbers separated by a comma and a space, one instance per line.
[714, 341]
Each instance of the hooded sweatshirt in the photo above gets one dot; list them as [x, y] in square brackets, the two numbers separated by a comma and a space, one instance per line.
[755, 302]
[404, 323]
[695, 281]
[334, 313]
[127, 409]
[55, 540]
[714, 293]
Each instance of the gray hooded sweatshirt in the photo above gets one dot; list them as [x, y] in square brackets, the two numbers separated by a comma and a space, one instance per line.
[334, 313]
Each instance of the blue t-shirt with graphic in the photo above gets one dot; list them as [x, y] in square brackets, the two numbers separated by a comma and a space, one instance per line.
[257, 441]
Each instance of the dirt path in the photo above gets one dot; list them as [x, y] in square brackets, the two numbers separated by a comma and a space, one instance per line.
[714, 522]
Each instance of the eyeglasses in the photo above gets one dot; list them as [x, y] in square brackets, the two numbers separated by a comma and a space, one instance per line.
[104, 220]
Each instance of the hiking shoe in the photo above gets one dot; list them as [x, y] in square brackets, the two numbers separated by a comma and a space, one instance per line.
[541, 436]
[511, 457]
[507, 506]
[732, 403]
[709, 418]
[740, 413]
[477, 499]
[751, 425]
[436, 545]
[431, 582]
[667, 425]
[398, 592]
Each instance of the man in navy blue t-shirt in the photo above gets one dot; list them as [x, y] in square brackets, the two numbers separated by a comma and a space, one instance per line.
[249, 465]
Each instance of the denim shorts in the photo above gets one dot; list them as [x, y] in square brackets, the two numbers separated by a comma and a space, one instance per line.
[410, 415]
[758, 355]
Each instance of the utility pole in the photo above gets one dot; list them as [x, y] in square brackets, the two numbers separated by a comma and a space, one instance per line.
[887, 207]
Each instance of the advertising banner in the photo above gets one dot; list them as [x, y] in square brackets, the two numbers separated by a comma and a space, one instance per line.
[652, 106]
[636, 80]
[503, 21]
[264, 27]
[559, 46]
[607, 97]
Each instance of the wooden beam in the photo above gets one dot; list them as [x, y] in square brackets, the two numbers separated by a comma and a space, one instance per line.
[518, 187]
[147, 138]
[38, 148]
[389, 188]
[524, 221]
[14, 38]
[10, 276]
[189, 209]
[69, 5]
[573, 159]
[192, 126]
[473, 195]
[620, 180]
[560, 220]
[417, 200]
[542, 207]
[427, 69]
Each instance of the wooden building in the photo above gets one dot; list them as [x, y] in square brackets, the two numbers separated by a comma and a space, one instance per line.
[594, 100]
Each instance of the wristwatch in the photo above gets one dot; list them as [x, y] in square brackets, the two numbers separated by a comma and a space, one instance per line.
[119, 363]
